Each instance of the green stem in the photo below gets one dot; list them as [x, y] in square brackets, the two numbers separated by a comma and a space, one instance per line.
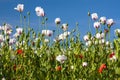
[57, 29]
[89, 24]
[109, 34]
[96, 30]
[39, 25]
[28, 20]
[21, 19]
[25, 24]
[77, 28]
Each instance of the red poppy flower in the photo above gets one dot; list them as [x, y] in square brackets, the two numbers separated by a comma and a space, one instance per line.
[103, 66]
[80, 56]
[58, 68]
[112, 54]
[19, 51]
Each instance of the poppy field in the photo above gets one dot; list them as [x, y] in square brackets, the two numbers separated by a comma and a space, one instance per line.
[59, 54]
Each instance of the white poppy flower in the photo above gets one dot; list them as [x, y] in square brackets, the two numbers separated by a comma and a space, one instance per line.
[61, 37]
[12, 41]
[20, 7]
[110, 22]
[6, 27]
[64, 27]
[84, 64]
[57, 21]
[39, 11]
[98, 36]
[103, 20]
[86, 38]
[19, 30]
[64, 35]
[94, 16]
[61, 58]
[47, 32]
[96, 25]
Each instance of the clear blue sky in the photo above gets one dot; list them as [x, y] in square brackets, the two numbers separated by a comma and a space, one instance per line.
[70, 11]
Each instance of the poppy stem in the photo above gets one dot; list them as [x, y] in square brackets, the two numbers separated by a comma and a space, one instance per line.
[109, 34]
[21, 19]
[89, 24]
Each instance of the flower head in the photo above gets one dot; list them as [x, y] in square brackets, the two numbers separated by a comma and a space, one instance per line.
[100, 35]
[19, 51]
[20, 7]
[12, 41]
[96, 25]
[64, 27]
[84, 64]
[103, 20]
[19, 31]
[86, 37]
[80, 56]
[39, 11]
[112, 56]
[58, 68]
[110, 22]
[57, 21]
[47, 32]
[94, 16]
[103, 66]
[61, 58]
[6, 27]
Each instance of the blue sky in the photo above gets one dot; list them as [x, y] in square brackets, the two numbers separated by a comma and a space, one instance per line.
[70, 11]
